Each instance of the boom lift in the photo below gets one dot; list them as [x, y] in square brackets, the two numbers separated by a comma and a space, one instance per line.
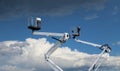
[63, 38]
[105, 50]
[60, 41]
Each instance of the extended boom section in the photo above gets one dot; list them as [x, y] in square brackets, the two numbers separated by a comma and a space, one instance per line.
[64, 37]
[88, 43]
[97, 63]
[105, 51]
[48, 34]
[62, 40]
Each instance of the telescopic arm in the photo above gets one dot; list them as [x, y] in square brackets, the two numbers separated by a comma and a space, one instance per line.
[105, 49]
[48, 34]
[63, 39]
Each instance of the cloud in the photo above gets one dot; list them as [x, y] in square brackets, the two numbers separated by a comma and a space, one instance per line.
[94, 16]
[13, 68]
[46, 7]
[115, 10]
[116, 43]
[28, 55]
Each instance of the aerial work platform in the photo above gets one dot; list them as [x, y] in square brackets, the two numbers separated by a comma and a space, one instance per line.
[61, 38]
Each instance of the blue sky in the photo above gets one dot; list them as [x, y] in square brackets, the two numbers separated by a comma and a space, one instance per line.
[99, 21]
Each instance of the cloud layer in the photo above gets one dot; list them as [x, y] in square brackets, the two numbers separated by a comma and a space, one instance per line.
[28, 55]
[46, 7]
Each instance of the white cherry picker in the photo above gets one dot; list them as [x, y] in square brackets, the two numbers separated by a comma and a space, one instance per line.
[105, 51]
[63, 38]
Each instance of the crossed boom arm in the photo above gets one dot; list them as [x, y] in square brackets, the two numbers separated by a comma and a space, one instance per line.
[63, 39]
[49, 52]
[105, 49]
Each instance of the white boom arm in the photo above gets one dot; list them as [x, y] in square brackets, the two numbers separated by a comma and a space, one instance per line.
[50, 51]
[48, 34]
[97, 62]
[63, 39]
[89, 43]
[53, 65]
[105, 49]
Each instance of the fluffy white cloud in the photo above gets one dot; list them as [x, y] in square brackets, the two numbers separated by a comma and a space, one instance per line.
[13, 68]
[29, 56]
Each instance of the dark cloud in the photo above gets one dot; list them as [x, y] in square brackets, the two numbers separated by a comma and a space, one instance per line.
[46, 7]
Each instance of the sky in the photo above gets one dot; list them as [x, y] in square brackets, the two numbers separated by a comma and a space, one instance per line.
[98, 19]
